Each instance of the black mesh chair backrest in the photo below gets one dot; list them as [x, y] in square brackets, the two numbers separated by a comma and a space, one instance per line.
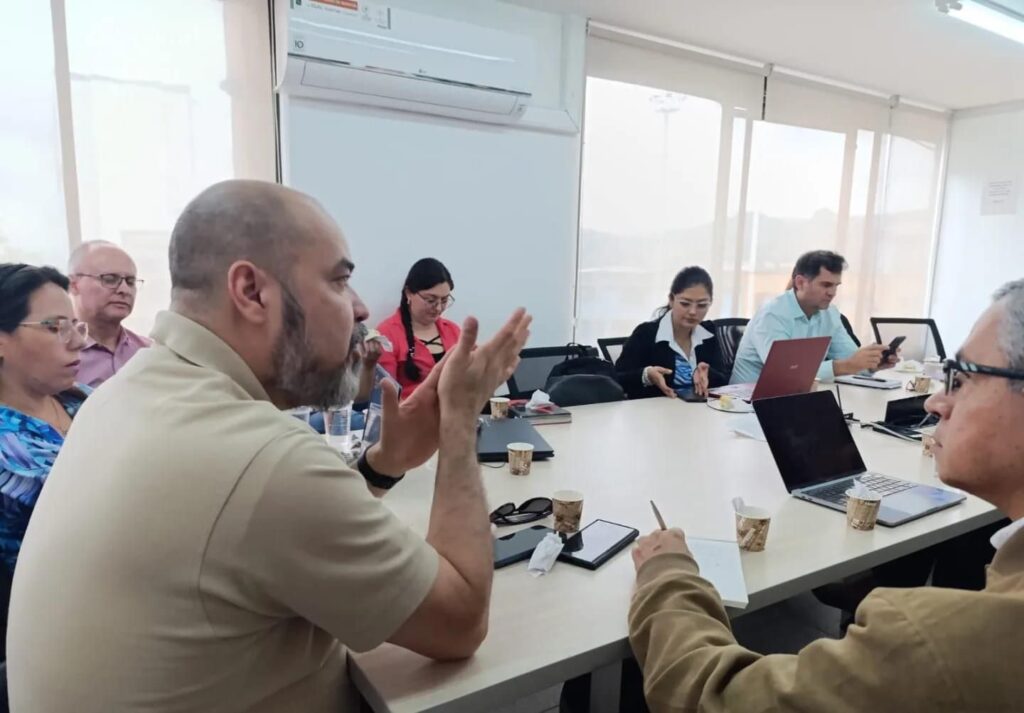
[922, 335]
[535, 365]
[609, 344]
[729, 332]
[583, 389]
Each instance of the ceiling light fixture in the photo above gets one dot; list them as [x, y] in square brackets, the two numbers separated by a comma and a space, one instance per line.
[992, 15]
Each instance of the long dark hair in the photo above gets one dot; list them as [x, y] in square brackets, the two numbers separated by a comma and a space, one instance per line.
[424, 274]
[687, 277]
[17, 283]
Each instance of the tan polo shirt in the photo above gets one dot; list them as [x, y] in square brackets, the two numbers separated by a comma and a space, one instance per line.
[196, 549]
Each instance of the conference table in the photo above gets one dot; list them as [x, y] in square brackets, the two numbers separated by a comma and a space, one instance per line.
[687, 458]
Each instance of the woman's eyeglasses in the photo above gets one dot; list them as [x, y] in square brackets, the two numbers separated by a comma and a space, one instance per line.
[112, 280]
[687, 304]
[531, 510]
[953, 368]
[435, 302]
[63, 327]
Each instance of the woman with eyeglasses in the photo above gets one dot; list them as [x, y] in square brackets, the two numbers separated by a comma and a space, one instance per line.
[40, 342]
[676, 352]
[419, 335]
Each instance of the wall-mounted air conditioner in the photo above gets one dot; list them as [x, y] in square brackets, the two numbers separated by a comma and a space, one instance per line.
[373, 54]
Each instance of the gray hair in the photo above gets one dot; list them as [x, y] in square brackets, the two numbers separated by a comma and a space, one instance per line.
[79, 253]
[231, 221]
[1011, 333]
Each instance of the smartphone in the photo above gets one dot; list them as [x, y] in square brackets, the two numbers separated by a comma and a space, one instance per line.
[597, 543]
[893, 346]
[689, 395]
[518, 546]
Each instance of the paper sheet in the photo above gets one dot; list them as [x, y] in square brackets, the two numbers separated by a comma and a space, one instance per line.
[720, 564]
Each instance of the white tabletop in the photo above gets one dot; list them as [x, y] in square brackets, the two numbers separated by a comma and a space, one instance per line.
[686, 458]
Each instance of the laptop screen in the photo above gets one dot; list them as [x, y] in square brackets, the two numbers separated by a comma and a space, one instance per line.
[906, 412]
[809, 439]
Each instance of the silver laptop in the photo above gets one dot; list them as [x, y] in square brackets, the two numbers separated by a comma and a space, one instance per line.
[819, 460]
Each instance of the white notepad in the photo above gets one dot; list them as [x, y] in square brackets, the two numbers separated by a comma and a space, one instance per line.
[720, 564]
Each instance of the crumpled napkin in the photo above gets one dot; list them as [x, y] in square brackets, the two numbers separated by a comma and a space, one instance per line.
[545, 554]
[859, 490]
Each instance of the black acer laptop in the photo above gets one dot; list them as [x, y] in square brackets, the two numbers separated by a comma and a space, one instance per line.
[493, 437]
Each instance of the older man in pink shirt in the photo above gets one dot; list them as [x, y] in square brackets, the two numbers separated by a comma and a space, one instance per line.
[103, 286]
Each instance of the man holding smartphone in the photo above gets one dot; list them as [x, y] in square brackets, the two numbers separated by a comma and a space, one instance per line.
[806, 310]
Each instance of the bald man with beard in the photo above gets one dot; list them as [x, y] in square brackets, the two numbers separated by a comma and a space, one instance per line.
[196, 548]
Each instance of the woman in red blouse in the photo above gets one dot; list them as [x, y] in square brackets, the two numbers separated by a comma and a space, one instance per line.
[419, 335]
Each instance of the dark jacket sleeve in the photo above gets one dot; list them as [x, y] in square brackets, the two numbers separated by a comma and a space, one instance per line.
[638, 353]
[710, 352]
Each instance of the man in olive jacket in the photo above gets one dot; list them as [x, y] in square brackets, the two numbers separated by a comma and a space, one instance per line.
[923, 649]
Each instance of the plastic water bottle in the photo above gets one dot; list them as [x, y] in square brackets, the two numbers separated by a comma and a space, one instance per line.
[338, 428]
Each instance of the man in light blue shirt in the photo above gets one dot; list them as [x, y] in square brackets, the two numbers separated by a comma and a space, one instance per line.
[806, 311]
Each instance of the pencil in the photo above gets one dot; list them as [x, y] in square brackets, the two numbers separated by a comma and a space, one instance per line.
[658, 517]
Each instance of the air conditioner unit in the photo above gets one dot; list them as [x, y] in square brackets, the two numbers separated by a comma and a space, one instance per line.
[372, 54]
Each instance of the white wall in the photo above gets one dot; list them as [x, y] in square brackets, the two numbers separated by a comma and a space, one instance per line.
[498, 205]
[977, 253]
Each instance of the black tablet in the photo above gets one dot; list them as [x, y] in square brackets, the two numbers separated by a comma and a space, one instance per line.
[597, 543]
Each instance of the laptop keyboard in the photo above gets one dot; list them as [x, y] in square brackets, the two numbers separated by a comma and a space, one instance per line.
[836, 492]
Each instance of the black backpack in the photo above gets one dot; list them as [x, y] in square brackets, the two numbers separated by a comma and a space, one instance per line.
[580, 359]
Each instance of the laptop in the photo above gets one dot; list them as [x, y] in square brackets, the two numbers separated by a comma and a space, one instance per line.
[906, 418]
[493, 438]
[819, 460]
[789, 369]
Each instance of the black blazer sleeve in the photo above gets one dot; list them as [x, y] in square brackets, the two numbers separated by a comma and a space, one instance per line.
[640, 351]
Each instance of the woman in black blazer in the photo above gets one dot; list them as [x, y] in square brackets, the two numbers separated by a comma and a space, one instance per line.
[678, 349]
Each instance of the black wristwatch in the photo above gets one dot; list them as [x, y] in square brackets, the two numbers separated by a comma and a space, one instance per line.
[384, 482]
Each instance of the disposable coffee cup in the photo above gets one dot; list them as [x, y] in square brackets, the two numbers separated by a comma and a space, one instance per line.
[520, 456]
[752, 528]
[862, 513]
[928, 445]
[499, 407]
[920, 384]
[568, 510]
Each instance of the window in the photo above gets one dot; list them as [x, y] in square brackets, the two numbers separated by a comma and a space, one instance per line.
[693, 164]
[180, 100]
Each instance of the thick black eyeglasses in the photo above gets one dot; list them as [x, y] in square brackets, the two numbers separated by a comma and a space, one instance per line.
[530, 510]
[953, 367]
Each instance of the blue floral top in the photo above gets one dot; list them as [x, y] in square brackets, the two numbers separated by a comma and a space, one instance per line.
[28, 448]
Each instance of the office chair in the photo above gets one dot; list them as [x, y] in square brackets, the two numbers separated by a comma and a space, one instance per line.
[609, 343]
[922, 335]
[535, 365]
[729, 332]
[582, 389]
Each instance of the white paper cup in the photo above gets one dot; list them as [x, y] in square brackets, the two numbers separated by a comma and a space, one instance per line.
[567, 507]
[862, 513]
[520, 456]
[752, 528]
[499, 407]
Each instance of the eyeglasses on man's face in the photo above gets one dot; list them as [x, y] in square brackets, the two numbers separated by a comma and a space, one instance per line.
[113, 280]
[435, 302]
[955, 369]
[66, 329]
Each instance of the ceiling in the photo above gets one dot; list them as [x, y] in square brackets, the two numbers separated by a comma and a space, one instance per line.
[903, 47]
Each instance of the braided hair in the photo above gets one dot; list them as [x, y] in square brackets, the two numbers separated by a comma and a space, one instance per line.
[424, 274]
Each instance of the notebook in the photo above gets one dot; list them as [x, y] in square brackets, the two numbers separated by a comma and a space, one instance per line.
[720, 564]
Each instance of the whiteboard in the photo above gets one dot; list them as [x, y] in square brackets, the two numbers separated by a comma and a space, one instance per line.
[497, 205]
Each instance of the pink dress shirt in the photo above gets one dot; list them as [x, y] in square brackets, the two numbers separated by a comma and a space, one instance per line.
[99, 363]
